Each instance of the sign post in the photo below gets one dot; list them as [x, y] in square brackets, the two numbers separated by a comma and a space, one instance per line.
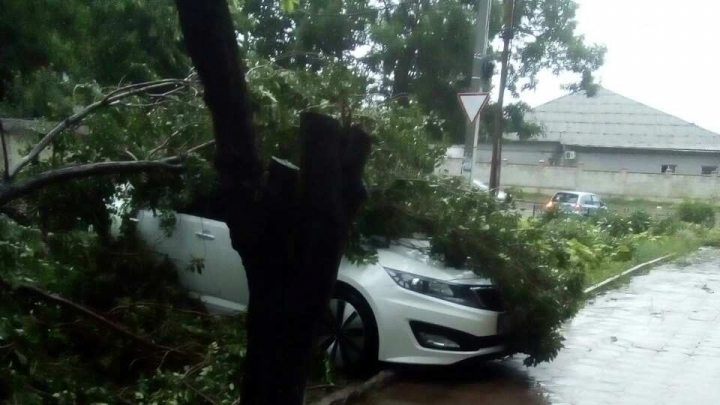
[472, 104]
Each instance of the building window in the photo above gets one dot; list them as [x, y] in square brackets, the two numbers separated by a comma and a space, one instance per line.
[668, 169]
[709, 170]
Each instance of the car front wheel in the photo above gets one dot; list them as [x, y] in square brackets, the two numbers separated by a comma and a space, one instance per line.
[349, 332]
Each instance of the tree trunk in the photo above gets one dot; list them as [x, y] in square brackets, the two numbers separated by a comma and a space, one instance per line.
[289, 227]
[401, 76]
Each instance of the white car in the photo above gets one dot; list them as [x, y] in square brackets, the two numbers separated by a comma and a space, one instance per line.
[405, 309]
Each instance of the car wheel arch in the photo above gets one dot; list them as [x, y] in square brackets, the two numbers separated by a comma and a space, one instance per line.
[348, 293]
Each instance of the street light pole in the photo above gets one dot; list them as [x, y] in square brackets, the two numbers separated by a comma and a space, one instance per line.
[509, 9]
[478, 82]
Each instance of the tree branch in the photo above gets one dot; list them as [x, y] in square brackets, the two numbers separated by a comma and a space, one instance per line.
[109, 99]
[206, 398]
[132, 155]
[169, 138]
[163, 144]
[88, 313]
[6, 163]
[198, 147]
[9, 192]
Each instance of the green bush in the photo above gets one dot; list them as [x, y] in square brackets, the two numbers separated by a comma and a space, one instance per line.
[696, 212]
[614, 224]
[640, 221]
[576, 227]
[668, 226]
[553, 213]
[712, 239]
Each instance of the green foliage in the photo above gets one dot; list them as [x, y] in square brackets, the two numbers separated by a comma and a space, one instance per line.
[470, 229]
[640, 221]
[667, 226]
[696, 212]
[54, 355]
[552, 213]
[424, 49]
[288, 6]
[712, 239]
[109, 42]
[545, 39]
[618, 226]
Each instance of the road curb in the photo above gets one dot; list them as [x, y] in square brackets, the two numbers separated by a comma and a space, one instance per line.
[626, 272]
[355, 391]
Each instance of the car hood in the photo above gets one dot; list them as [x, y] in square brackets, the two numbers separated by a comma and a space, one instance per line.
[412, 256]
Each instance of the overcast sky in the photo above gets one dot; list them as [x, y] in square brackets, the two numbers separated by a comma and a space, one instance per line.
[662, 53]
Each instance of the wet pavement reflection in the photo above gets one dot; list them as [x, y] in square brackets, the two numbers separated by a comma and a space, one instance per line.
[655, 340]
[489, 383]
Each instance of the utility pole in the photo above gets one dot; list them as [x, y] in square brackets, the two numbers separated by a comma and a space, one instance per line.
[478, 83]
[509, 9]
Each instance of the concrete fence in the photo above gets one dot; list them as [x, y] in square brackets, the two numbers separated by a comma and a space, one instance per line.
[545, 179]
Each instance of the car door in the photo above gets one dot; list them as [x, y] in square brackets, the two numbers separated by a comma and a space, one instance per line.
[593, 204]
[181, 244]
[223, 265]
[584, 204]
[600, 204]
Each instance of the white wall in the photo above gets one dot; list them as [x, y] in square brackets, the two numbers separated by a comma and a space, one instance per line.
[17, 145]
[647, 161]
[640, 161]
[549, 179]
[520, 153]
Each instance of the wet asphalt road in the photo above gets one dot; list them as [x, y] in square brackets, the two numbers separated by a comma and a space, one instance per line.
[655, 340]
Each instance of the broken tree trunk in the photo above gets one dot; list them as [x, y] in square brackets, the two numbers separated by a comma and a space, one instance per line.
[290, 227]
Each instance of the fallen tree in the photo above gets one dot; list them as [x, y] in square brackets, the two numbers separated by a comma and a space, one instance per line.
[291, 226]
[14, 186]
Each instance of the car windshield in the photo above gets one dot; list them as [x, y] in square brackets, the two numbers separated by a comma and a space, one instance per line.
[563, 198]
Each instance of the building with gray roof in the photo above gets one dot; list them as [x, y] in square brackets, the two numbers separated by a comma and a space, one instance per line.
[610, 132]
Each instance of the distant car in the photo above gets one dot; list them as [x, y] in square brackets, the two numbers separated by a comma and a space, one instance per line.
[577, 202]
[406, 308]
[501, 195]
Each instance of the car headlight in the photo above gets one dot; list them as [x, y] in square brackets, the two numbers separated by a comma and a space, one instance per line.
[457, 293]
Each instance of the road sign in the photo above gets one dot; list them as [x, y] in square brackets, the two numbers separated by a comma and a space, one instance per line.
[473, 103]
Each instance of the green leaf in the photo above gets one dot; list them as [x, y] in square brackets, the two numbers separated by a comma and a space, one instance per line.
[288, 6]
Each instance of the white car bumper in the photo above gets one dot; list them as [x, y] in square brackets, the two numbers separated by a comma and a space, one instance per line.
[402, 314]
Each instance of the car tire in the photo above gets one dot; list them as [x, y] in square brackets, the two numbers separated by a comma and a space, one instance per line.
[349, 332]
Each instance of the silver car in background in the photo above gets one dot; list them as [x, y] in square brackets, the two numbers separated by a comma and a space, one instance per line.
[578, 202]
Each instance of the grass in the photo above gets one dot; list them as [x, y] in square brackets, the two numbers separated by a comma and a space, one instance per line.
[680, 244]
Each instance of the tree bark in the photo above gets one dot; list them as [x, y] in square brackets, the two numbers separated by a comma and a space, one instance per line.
[401, 77]
[290, 227]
